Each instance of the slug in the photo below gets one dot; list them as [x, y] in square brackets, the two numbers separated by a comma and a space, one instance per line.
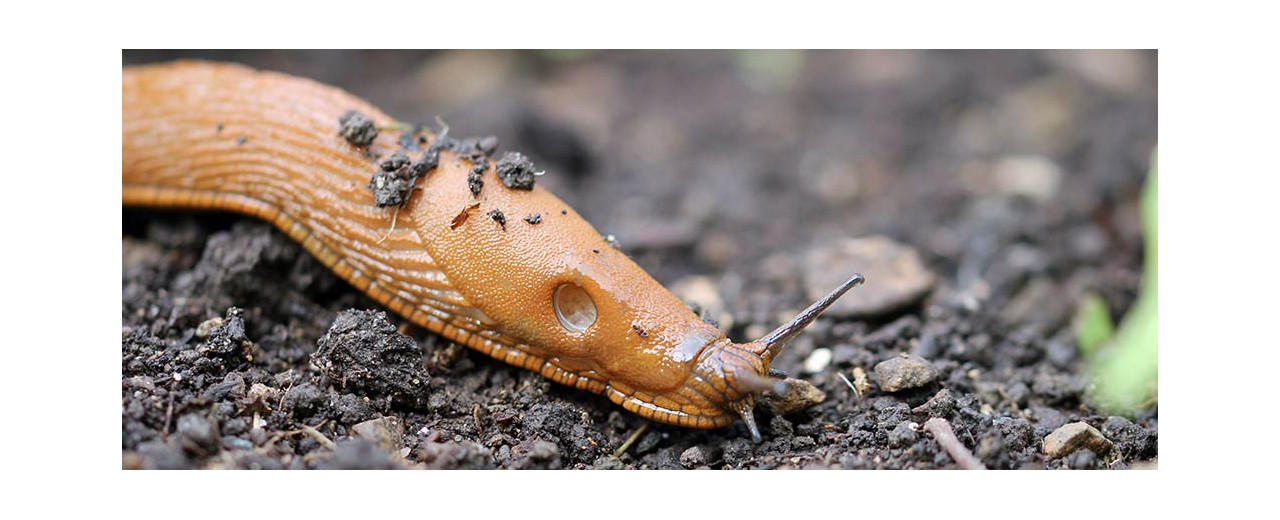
[538, 288]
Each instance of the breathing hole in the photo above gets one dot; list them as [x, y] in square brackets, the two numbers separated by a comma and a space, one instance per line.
[574, 307]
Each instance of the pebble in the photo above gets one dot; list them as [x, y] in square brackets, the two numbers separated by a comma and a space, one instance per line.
[694, 457]
[861, 382]
[1031, 176]
[905, 372]
[207, 327]
[609, 462]
[386, 432]
[800, 395]
[263, 393]
[1075, 436]
[817, 361]
[896, 276]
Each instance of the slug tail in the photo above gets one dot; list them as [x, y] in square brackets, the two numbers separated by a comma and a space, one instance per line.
[772, 343]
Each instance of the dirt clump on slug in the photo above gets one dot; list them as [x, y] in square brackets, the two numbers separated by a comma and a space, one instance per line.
[681, 180]
[498, 217]
[475, 183]
[516, 171]
[397, 176]
[357, 128]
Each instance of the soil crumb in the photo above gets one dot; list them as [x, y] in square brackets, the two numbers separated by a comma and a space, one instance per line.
[363, 353]
[357, 128]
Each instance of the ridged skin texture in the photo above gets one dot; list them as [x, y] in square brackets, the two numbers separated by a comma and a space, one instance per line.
[216, 136]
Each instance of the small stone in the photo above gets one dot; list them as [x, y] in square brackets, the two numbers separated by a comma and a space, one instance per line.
[694, 457]
[1075, 436]
[817, 361]
[385, 432]
[896, 276]
[861, 382]
[905, 372]
[207, 327]
[800, 395]
[1031, 176]
[263, 393]
[608, 462]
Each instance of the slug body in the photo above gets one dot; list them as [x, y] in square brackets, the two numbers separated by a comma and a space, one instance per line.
[552, 296]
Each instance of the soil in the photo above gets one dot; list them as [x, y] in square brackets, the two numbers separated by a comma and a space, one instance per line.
[1013, 176]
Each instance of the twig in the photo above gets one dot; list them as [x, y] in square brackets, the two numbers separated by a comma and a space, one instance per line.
[623, 449]
[850, 383]
[319, 437]
[941, 431]
[310, 431]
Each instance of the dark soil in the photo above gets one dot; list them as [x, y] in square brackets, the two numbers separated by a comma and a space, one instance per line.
[239, 350]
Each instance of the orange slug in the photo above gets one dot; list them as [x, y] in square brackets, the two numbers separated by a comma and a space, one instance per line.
[512, 272]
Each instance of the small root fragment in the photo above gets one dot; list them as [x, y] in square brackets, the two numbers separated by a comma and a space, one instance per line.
[394, 216]
[630, 440]
[946, 437]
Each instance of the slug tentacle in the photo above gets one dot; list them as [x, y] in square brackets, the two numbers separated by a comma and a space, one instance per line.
[771, 344]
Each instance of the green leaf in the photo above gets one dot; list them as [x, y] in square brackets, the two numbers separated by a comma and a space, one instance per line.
[1093, 324]
[1127, 373]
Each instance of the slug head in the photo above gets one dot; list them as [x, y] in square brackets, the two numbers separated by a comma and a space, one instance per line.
[744, 367]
